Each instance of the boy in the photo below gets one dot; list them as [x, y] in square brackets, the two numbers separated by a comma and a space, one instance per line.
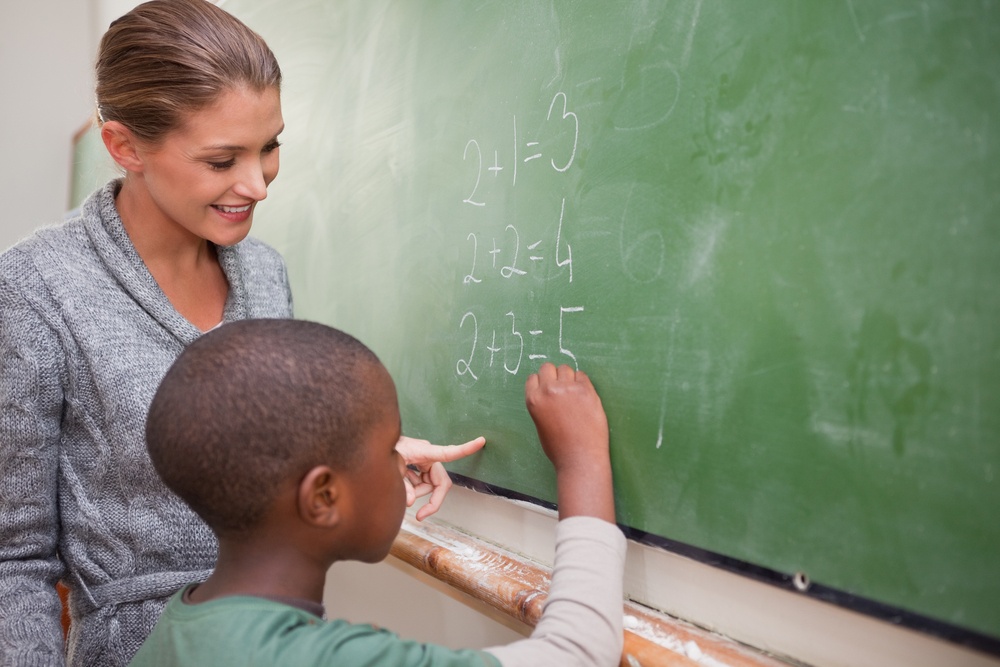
[281, 435]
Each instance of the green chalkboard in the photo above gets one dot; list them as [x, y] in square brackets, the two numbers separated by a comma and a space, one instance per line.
[770, 231]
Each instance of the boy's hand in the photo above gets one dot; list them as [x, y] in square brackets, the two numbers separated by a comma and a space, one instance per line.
[425, 474]
[573, 430]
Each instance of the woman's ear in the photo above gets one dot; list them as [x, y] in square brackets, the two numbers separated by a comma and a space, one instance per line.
[319, 497]
[122, 145]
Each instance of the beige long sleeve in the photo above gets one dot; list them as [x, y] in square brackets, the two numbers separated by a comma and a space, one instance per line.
[582, 621]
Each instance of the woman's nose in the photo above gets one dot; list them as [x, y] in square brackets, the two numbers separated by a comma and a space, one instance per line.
[252, 183]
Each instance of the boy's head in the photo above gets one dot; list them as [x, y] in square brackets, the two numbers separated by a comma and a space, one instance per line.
[277, 418]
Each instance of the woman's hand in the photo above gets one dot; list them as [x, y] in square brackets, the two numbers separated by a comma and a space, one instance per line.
[425, 474]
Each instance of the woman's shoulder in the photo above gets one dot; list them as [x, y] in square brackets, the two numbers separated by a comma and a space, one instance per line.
[59, 243]
[65, 241]
[63, 256]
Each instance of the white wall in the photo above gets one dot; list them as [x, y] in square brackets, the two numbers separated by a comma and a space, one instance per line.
[45, 77]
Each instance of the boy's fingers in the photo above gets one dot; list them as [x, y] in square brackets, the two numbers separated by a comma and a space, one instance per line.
[548, 371]
[566, 373]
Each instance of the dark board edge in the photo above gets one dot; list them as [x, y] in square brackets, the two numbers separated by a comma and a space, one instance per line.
[901, 617]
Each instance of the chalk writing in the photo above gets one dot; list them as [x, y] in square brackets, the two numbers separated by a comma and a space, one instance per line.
[576, 129]
[462, 365]
[479, 171]
[500, 346]
[560, 119]
[510, 246]
[471, 277]
[507, 345]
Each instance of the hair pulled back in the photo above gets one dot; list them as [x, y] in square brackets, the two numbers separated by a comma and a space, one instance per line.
[167, 58]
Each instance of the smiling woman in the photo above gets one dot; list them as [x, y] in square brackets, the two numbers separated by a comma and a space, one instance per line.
[94, 311]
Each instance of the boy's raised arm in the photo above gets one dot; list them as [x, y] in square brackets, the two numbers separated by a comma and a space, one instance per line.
[573, 431]
[582, 621]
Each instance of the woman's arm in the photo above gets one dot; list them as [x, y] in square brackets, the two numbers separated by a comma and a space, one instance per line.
[30, 414]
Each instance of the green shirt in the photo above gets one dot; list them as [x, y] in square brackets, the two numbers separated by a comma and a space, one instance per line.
[248, 631]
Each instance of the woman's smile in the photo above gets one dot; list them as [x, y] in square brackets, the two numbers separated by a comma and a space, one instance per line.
[234, 213]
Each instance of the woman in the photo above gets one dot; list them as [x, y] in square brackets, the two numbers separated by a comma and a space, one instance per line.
[94, 311]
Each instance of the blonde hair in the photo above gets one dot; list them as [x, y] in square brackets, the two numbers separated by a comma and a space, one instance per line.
[168, 58]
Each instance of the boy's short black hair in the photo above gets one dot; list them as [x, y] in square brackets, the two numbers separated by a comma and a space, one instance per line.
[254, 403]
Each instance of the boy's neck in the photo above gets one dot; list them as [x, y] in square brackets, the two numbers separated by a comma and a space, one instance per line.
[269, 569]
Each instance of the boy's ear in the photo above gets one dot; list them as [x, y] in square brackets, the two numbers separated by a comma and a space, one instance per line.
[121, 145]
[319, 497]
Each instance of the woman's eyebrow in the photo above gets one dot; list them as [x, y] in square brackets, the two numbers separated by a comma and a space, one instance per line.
[236, 147]
[224, 147]
[233, 148]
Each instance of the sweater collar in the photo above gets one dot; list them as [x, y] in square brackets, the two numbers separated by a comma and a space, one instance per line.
[114, 247]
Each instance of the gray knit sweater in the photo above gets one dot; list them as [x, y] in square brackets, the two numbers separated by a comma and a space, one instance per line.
[85, 337]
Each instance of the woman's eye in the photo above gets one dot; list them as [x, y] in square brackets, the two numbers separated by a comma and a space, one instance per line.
[273, 146]
[219, 166]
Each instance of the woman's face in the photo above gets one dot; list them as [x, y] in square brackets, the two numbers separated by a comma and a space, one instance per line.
[206, 177]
